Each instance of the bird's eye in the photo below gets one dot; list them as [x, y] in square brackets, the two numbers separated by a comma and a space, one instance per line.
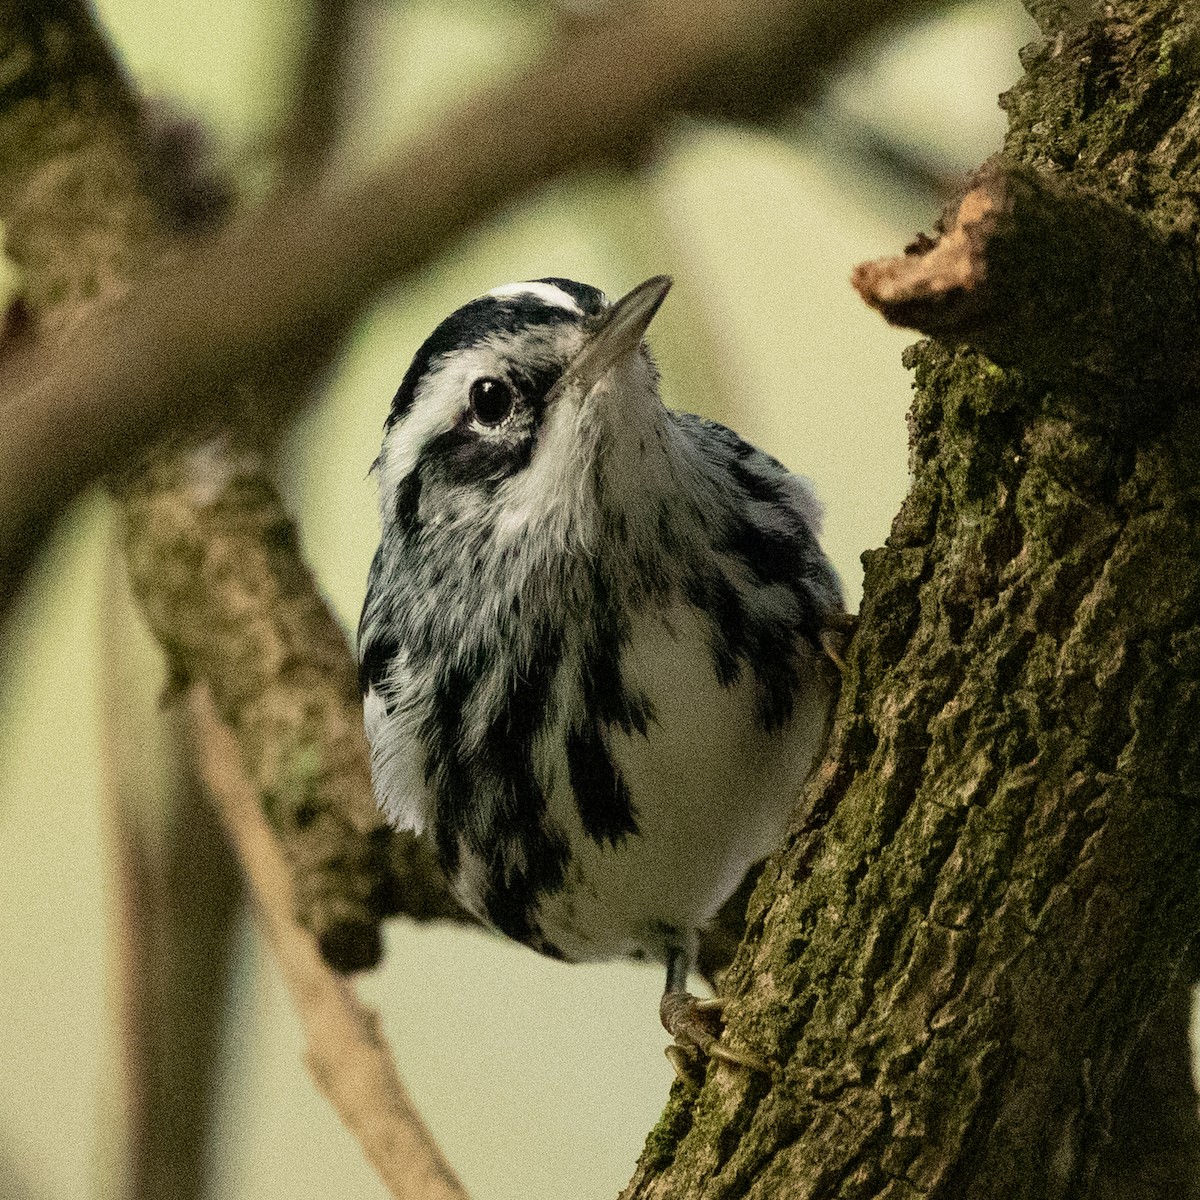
[491, 401]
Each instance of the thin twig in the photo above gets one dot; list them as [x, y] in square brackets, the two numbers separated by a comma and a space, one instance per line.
[347, 1055]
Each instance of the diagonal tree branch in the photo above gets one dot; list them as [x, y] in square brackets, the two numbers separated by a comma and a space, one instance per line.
[213, 560]
[300, 268]
[349, 1060]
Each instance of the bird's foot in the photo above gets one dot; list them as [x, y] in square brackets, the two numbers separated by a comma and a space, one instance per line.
[696, 1026]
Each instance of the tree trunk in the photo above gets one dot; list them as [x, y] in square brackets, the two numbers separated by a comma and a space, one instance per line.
[970, 966]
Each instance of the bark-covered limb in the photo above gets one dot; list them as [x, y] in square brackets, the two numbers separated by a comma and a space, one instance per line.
[215, 564]
[347, 1056]
[1062, 283]
[301, 268]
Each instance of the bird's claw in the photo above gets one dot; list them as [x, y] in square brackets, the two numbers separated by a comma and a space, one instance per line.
[696, 1027]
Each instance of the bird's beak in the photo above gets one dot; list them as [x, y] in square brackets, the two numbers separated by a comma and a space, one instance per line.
[618, 332]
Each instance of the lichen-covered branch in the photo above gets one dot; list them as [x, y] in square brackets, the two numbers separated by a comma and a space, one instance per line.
[214, 562]
[1065, 284]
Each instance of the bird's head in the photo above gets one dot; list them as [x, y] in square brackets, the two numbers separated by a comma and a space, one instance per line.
[514, 400]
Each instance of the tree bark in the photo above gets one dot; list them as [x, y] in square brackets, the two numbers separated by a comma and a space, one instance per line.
[965, 962]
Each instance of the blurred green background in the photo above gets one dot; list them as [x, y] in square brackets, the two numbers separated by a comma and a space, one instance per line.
[538, 1079]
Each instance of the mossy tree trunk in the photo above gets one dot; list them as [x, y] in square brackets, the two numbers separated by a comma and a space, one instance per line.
[972, 962]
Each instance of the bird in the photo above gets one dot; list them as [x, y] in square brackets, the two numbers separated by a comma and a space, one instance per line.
[597, 650]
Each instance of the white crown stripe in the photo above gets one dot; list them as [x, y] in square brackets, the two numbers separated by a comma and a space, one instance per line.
[546, 292]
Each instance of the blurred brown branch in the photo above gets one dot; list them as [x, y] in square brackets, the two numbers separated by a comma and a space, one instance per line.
[313, 124]
[299, 269]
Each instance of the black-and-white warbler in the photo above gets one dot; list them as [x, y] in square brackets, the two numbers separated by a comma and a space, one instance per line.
[592, 647]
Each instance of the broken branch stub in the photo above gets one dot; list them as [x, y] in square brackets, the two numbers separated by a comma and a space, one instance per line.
[1057, 281]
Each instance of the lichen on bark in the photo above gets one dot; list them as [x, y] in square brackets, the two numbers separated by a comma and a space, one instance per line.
[955, 961]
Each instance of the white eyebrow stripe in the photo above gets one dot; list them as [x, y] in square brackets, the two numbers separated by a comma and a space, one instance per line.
[546, 292]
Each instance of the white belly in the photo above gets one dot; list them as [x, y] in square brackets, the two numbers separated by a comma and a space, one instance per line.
[713, 793]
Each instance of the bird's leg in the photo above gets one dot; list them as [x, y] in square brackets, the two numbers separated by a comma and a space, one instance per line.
[696, 1025]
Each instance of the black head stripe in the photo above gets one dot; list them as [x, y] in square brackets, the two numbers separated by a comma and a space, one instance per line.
[481, 319]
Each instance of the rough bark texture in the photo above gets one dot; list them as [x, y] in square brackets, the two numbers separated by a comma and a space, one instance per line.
[959, 964]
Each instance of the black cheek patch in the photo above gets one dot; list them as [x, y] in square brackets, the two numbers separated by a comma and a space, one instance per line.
[462, 456]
